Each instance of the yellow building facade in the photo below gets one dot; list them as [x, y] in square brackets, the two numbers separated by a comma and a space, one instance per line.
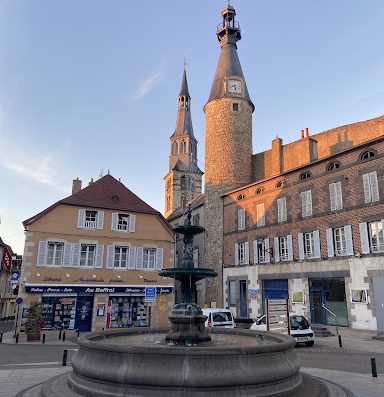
[93, 260]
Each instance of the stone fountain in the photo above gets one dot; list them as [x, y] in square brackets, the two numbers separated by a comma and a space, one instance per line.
[185, 361]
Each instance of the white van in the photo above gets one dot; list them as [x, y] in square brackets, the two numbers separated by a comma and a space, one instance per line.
[219, 318]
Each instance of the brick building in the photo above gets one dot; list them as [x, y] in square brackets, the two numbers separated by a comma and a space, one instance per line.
[302, 220]
[93, 258]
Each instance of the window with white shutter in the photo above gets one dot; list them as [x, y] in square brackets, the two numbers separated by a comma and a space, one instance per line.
[255, 251]
[87, 255]
[371, 187]
[336, 197]
[55, 251]
[376, 237]
[306, 203]
[364, 240]
[242, 255]
[67, 255]
[75, 255]
[309, 245]
[42, 253]
[132, 223]
[100, 220]
[159, 258]
[281, 209]
[110, 256]
[81, 218]
[99, 256]
[260, 213]
[241, 219]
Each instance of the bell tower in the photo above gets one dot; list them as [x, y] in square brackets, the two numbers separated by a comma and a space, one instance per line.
[183, 181]
[228, 143]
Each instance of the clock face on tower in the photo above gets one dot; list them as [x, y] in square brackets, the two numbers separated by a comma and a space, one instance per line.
[234, 86]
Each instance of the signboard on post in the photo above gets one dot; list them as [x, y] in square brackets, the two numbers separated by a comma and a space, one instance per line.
[150, 294]
[278, 316]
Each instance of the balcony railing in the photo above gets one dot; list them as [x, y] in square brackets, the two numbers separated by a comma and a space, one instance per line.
[228, 25]
[90, 224]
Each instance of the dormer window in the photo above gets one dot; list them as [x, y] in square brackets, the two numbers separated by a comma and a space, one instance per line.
[369, 154]
[305, 175]
[90, 219]
[333, 166]
[123, 222]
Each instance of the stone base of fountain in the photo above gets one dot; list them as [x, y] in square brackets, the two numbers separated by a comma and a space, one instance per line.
[138, 363]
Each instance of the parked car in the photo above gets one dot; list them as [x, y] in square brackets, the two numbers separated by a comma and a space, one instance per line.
[300, 328]
[219, 318]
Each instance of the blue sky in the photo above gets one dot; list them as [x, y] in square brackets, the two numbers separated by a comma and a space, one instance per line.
[91, 85]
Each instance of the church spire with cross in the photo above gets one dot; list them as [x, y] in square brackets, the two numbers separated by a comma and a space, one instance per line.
[184, 179]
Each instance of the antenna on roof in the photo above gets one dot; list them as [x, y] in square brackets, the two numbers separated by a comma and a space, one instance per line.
[109, 171]
[101, 173]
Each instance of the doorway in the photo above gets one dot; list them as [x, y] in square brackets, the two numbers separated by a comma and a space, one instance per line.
[84, 309]
[243, 299]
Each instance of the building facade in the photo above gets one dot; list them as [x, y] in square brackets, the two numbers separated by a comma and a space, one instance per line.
[313, 235]
[93, 258]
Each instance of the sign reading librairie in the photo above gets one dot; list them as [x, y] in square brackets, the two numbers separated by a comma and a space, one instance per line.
[278, 316]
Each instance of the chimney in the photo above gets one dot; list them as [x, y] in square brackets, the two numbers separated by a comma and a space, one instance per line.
[76, 185]
[306, 132]
[90, 182]
[302, 134]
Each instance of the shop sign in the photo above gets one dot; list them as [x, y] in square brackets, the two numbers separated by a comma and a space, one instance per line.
[278, 316]
[15, 278]
[38, 289]
[6, 260]
[100, 309]
[150, 294]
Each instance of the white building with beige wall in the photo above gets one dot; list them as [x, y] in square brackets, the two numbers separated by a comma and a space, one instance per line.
[93, 258]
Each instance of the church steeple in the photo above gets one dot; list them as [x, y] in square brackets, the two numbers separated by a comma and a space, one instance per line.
[184, 179]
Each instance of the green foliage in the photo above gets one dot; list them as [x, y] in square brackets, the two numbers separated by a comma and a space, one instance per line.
[35, 319]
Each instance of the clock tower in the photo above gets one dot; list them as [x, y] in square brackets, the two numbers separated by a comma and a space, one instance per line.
[183, 181]
[228, 143]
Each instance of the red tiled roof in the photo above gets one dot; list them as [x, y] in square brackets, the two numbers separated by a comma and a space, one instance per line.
[107, 193]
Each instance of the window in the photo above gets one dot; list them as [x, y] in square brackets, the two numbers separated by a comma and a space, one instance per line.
[90, 219]
[196, 219]
[123, 222]
[149, 258]
[336, 197]
[333, 166]
[339, 241]
[376, 238]
[306, 203]
[121, 257]
[183, 146]
[283, 248]
[55, 254]
[241, 197]
[371, 187]
[196, 257]
[281, 209]
[305, 175]
[242, 253]
[241, 219]
[174, 148]
[235, 107]
[280, 183]
[260, 190]
[309, 245]
[367, 155]
[232, 292]
[87, 255]
[261, 251]
[260, 214]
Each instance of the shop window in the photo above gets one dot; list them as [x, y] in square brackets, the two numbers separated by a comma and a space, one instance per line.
[129, 311]
[55, 253]
[87, 255]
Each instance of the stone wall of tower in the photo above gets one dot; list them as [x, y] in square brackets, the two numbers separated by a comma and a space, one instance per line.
[228, 165]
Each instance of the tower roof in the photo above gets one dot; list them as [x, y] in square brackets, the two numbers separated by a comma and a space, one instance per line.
[228, 33]
[184, 85]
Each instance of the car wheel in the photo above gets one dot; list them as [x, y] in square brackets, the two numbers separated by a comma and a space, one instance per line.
[311, 343]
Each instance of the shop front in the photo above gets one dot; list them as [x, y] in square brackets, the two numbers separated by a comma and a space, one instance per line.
[75, 307]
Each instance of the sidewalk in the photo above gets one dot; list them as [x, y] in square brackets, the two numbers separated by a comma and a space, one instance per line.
[363, 344]
[51, 338]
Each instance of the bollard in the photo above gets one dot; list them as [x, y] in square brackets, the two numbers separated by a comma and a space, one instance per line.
[103, 329]
[63, 336]
[373, 367]
[340, 344]
[78, 332]
[1, 338]
[60, 334]
[65, 355]
[43, 339]
[17, 338]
